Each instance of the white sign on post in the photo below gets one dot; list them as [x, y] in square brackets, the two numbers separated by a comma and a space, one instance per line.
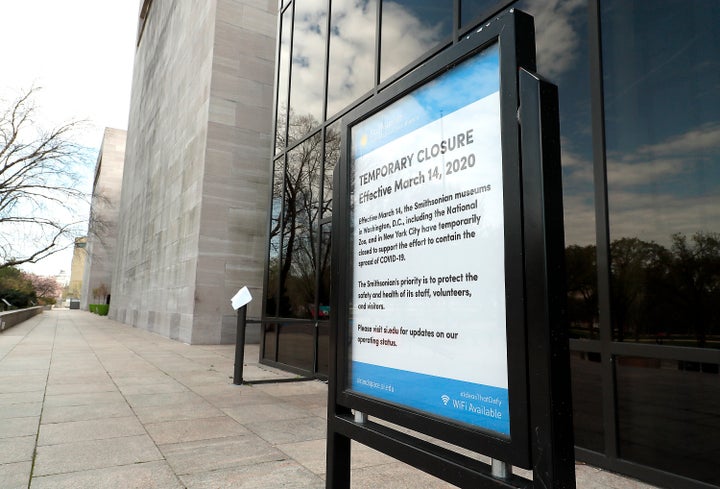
[240, 299]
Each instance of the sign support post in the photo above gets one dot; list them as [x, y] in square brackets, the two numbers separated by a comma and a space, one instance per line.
[240, 302]
[548, 360]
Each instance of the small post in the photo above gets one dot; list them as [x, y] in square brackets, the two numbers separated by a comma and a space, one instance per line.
[240, 345]
[239, 303]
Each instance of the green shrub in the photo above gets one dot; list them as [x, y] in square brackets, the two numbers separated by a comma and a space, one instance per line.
[93, 308]
[102, 309]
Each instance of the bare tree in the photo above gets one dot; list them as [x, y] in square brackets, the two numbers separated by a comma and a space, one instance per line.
[39, 177]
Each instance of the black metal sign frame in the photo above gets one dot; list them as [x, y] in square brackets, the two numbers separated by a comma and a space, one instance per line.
[540, 429]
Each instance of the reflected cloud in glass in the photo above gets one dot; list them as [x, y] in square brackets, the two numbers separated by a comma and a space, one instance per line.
[351, 66]
[308, 61]
[662, 94]
[283, 81]
[409, 28]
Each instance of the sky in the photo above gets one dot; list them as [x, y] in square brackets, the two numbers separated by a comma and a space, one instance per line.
[80, 54]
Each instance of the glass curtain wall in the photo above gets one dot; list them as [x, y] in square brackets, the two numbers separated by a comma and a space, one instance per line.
[639, 86]
[661, 74]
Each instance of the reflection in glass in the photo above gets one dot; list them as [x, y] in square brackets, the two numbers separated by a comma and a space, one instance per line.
[308, 62]
[323, 348]
[582, 298]
[283, 81]
[295, 345]
[351, 66]
[561, 37]
[667, 295]
[667, 415]
[270, 342]
[661, 77]
[332, 156]
[477, 10]
[301, 213]
[409, 28]
[271, 299]
[586, 377]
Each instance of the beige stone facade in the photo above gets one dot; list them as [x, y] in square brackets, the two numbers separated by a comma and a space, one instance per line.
[192, 225]
[77, 268]
[102, 230]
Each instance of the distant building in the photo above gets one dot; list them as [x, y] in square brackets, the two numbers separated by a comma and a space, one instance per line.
[77, 268]
[62, 278]
[102, 229]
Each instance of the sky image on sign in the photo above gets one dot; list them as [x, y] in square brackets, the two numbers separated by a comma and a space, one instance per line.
[428, 320]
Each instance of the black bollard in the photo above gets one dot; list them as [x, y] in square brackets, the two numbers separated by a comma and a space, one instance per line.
[240, 345]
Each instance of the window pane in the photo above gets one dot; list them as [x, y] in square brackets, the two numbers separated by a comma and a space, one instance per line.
[324, 348]
[270, 346]
[669, 416]
[562, 57]
[295, 345]
[300, 228]
[271, 300]
[587, 400]
[410, 28]
[283, 82]
[332, 155]
[661, 74]
[351, 72]
[308, 61]
[474, 10]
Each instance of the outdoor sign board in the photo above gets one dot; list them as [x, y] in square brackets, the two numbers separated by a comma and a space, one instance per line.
[429, 298]
[428, 322]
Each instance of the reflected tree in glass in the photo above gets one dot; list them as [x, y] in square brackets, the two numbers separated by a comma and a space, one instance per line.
[332, 156]
[306, 198]
[667, 295]
[301, 213]
[581, 271]
[271, 300]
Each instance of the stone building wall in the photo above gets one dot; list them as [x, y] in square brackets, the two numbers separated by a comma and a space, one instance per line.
[194, 197]
[102, 231]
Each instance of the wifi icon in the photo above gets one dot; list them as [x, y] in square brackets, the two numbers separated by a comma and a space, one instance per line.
[445, 398]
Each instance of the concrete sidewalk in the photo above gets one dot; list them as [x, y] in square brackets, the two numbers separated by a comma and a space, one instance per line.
[86, 402]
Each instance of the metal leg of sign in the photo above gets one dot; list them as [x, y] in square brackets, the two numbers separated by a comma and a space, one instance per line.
[240, 345]
[500, 469]
[548, 357]
[338, 461]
